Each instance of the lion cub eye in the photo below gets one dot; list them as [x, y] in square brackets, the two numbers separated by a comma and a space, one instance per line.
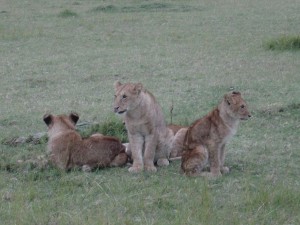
[124, 96]
[242, 106]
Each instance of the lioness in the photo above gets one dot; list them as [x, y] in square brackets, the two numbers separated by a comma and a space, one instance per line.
[149, 138]
[69, 150]
[204, 141]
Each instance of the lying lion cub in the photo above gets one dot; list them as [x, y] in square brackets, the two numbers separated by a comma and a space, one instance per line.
[149, 138]
[69, 150]
[204, 141]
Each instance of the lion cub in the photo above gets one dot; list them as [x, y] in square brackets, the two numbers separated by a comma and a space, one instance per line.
[69, 150]
[149, 138]
[204, 141]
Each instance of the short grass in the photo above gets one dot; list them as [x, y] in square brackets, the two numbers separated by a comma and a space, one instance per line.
[63, 56]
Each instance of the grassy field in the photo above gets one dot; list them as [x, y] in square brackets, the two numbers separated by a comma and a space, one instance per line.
[60, 56]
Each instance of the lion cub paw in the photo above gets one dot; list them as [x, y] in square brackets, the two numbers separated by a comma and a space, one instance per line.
[135, 169]
[86, 168]
[163, 162]
[150, 168]
[210, 175]
[225, 170]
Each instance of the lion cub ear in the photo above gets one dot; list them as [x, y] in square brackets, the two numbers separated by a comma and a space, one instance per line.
[236, 93]
[48, 118]
[230, 97]
[74, 117]
[138, 87]
[117, 84]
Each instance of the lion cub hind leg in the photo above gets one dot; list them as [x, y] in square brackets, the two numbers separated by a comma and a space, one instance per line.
[177, 145]
[162, 162]
[119, 160]
[194, 161]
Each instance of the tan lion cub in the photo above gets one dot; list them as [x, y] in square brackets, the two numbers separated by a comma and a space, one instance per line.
[204, 141]
[149, 138]
[69, 150]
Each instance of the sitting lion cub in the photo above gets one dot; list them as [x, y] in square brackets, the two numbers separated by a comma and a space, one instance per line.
[204, 141]
[149, 138]
[69, 150]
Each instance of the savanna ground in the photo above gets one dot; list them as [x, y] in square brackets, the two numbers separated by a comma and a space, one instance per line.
[62, 56]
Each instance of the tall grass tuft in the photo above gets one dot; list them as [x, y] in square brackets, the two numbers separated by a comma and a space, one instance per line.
[111, 127]
[67, 13]
[284, 43]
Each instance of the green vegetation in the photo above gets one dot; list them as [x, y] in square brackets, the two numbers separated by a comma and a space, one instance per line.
[111, 127]
[67, 13]
[284, 43]
[188, 53]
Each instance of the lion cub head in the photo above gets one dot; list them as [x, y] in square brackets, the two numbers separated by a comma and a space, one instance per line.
[127, 96]
[235, 106]
[60, 123]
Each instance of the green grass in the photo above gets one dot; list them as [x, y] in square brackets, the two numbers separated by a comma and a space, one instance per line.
[111, 127]
[67, 13]
[63, 56]
[284, 43]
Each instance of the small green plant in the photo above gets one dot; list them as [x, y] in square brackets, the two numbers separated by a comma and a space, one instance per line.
[113, 128]
[284, 43]
[108, 8]
[67, 13]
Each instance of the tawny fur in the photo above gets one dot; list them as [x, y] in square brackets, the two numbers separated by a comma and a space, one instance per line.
[204, 141]
[177, 146]
[175, 128]
[69, 150]
[149, 138]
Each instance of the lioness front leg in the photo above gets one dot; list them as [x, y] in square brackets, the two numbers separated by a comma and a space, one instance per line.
[136, 144]
[223, 168]
[150, 146]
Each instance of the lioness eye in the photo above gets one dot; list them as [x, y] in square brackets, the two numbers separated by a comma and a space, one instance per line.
[242, 106]
[124, 96]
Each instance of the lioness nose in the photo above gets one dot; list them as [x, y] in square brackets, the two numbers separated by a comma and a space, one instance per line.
[116, 109]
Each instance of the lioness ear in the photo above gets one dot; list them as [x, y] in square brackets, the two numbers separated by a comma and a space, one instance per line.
[138, 87]
[117, 84]
[48, 118]
[74, 117]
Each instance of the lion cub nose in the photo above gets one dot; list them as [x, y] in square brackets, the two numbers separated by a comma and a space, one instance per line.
[116, 109]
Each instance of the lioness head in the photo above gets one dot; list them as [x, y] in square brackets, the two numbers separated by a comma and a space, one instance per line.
[61, 122]
[235, 106]
[127, 96]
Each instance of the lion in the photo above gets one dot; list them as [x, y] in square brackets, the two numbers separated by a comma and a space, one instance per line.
[204, 141]
[150, 140]
[69, 150]
[175, 128]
